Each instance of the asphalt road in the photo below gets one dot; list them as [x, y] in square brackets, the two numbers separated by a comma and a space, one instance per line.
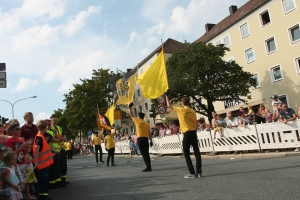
[272, 177]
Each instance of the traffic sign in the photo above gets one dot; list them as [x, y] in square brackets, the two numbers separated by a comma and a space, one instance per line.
[2, 67]
[161, 99]
[3, 75]
[2, 83]
[162, 109]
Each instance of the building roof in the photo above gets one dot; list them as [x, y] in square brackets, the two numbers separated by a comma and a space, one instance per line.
[227, 22]
[169, 45]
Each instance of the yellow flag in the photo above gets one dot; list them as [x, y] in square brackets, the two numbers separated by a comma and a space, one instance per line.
[125, 89]
[110, 114]
[154, 81]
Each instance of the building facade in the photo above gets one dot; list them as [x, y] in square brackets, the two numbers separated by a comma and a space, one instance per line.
[264, 38]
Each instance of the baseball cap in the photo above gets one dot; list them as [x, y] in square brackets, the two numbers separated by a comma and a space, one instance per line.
[274, 96]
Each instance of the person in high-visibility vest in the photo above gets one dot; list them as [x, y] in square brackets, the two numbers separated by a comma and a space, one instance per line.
[43, 158]
[54, 171]
[63, 154]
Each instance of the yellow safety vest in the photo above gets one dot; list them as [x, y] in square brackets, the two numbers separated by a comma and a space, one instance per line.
[59, 135]
[54, 146]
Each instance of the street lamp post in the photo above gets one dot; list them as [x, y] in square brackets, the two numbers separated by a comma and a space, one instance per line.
[12, 105]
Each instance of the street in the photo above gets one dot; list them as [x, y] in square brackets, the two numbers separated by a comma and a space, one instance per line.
[228, 177]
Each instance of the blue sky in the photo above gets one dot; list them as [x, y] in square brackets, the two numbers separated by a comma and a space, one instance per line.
[48, 45]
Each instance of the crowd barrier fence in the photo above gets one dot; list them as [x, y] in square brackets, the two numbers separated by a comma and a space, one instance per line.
[274, 135]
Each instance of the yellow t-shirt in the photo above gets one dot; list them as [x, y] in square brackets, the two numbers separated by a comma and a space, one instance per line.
[109, 140]
[97, 139]
[68, 145]
[187, 118]
[142, 127]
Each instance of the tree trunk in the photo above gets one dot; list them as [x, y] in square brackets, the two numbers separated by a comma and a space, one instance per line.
[210, 109]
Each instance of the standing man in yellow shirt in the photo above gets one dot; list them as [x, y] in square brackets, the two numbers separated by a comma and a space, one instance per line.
[69, 146]
[143, 133]
[97, 142]
[188, 125]
[110, 148]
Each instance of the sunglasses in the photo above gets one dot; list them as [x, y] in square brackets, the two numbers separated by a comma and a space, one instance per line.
[17, 129]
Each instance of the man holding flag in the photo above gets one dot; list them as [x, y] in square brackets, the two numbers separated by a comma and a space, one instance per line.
[143, 133]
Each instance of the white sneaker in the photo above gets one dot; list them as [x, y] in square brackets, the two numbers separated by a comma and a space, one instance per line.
[297, 149]
[200, 176]
[191, 176]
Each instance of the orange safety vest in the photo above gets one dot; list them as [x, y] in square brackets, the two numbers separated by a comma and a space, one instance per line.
[45, 156]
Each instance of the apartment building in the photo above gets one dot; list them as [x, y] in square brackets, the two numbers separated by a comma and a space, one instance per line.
[264, 38]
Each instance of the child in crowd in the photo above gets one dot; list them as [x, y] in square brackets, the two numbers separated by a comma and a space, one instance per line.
[3, 171]
[132, 147]
[268, 115]
[18, 146]
[43, 158]
[13, 190]
[29, 171]
[218, 124]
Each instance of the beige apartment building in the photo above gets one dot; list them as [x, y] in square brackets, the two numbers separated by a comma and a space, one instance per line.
[142, 104]
[264, 38]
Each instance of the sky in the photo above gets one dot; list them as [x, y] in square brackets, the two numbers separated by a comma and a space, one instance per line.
[48, 45]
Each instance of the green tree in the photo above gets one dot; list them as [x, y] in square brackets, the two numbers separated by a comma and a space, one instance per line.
[200, 73]
[82, 101]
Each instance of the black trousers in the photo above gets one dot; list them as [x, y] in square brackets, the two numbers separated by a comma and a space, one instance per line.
[63, 165]
[143, 144]
[69, 154]
[54, 170]
[190, 138]
[43, 180]
[98, 148]
[111, 153]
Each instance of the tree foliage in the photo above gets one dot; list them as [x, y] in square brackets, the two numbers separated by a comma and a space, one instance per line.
[82, 101]
[200, 73]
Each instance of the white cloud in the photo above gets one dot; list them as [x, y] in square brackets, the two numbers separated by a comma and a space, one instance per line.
[34, 37]
[41, 116]
[133, 35]
[35, 9]
[77, 22]
[24, 84]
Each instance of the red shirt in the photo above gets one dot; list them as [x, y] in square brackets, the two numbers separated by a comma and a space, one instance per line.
[14, 144]
[28, 132]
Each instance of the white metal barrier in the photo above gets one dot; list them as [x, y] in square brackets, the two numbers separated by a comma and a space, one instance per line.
[278, 135]
[205, 141]
[274, 135]
[170, 145]
[155, 149]
[235, 139]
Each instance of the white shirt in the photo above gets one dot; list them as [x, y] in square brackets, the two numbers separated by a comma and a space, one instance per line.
[234, 122]
[275, 103]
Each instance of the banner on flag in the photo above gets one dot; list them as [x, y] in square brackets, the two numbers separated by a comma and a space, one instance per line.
[125, 88]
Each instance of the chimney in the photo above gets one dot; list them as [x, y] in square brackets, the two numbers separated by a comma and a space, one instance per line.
[128, 70]
[208, 27]
[232, 9]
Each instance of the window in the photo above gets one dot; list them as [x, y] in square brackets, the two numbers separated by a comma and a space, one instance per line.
[283, 98]
[265, 18]
[244, 30]
[148, 121]
[288, 5]
[294, 33]
[139, 93]
[218, 42]
[146, 106]
[131, 128]
[276, 74]
[298, 65]
[255, 77]
[250, 55]
[270, 45]
[135, 113]
[141, 109]
[226, 41]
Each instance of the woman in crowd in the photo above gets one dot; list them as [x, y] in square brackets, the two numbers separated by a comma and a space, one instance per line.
[202, 125]
[260, 115]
